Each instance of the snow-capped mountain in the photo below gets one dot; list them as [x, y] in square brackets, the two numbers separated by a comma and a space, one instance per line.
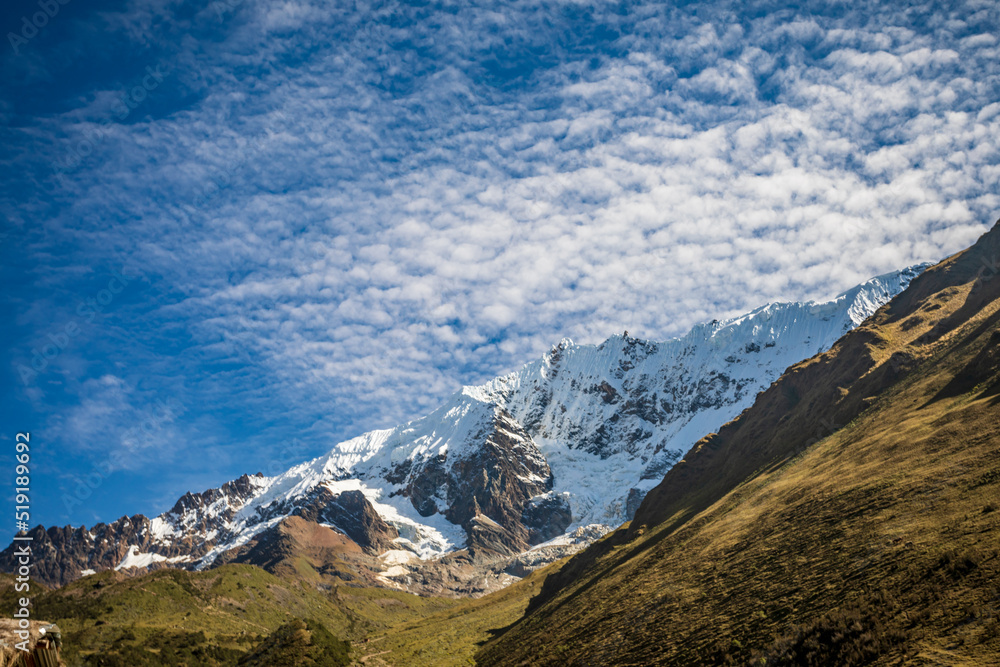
[573, 439]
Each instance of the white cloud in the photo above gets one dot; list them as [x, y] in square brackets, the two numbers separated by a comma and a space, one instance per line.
[402, 207]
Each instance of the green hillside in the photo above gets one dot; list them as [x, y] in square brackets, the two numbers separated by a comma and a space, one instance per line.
[170, 617]
[850, 517]
[452, 636]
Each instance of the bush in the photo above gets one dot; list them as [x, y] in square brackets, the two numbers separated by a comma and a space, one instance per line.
[849, 637]
[299, 644]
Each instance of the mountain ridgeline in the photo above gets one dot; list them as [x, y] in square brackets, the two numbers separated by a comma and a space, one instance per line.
[554, 454]
[502, 478]
[841, 510]
[848, 517]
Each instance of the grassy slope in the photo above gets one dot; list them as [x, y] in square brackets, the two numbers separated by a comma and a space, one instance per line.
[881, 539]
[300, 643]
[452, 636]
[877, 542]
[234, 606]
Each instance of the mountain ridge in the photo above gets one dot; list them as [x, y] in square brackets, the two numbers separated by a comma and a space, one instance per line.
[848, 517]
[570, 440]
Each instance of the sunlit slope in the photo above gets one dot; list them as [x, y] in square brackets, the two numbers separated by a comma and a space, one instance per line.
[849, 517]
[216, 616]
[452, 636]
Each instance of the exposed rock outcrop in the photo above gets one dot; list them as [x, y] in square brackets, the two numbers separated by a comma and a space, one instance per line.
[352, 514]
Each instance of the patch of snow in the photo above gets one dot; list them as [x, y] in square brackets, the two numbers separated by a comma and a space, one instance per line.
[391, 573]
[162, 530]
[134, 558]
[582, 535]
[571, 403]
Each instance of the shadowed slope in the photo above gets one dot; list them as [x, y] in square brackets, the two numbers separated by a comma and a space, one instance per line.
[849, 515]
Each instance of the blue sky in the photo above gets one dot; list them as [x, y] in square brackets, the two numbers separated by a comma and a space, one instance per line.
[237, 233]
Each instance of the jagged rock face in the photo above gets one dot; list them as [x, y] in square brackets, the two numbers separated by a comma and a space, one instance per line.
[423, 482]
[498, 481]
[195, 510]
[281, 548]
[546, 517]
[352, 514]
[573, 439]
[177, 538]
[60, 555]
[238, 490]
[487, 488]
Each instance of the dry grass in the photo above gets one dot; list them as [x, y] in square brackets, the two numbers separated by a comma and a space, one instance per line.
[876, 545]
[451, 637]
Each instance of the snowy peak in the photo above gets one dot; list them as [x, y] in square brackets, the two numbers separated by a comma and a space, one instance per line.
[868, 297]
[585, 430]
[567, 444]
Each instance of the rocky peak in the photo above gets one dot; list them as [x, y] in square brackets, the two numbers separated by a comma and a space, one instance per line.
[351, 514]
[573, 439]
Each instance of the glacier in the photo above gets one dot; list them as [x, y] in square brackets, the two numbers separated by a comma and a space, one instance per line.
[607, 420]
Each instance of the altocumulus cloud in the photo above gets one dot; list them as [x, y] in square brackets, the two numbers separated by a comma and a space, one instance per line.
[344, 211]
